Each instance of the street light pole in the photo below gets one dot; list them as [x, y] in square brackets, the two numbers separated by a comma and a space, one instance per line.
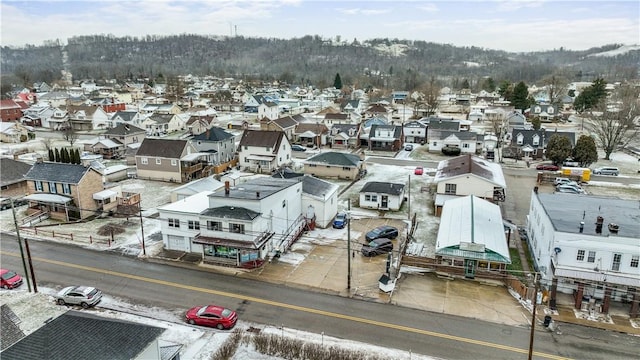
[533, 319]
[24, 263]
[349, 244]
[144, 250]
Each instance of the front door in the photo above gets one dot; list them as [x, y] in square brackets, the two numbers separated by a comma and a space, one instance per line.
[469, 268]
[384, 203]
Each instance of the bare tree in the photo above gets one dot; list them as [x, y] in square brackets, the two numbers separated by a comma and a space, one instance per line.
[70, 135]
[48, 143]
[557, 86]
[612, 122]
[426, 98]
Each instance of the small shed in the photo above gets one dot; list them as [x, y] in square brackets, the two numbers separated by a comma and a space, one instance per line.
[382, 195]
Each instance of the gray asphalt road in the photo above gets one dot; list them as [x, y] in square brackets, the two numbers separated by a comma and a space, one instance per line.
[178, 288]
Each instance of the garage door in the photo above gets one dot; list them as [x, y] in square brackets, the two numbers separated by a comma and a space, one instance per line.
[177, 243]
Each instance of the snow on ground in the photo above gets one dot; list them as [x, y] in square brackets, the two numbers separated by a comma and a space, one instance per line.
[198, 343]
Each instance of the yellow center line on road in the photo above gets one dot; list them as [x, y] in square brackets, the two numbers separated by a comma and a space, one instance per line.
[293, 307]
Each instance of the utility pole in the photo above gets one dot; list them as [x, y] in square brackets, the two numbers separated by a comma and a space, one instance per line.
[33, 274]
[349, 244]
[24, 263]
[409, 200]
[144, 250]
[533, 319]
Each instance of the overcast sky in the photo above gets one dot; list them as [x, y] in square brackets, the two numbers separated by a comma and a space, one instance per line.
[503, 25]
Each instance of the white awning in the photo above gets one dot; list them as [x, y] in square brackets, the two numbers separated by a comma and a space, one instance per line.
[194, 156]
[48, 198]
[104, 194]
[261, 157]
[590, 275]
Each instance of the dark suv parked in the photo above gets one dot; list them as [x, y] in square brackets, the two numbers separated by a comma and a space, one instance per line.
[384, 231]
[377, 247]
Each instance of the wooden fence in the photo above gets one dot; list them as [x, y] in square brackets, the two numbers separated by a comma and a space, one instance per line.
[35, 231]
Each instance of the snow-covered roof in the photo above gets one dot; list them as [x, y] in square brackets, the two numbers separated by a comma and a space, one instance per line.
[471, 227]
[51, 198]
[194, 204]
[469, 164]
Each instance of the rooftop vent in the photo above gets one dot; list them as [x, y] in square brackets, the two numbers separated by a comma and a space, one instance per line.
[613, 228]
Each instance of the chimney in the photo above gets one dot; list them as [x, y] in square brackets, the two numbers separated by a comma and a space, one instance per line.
[581, 226]
[599, 222]
[226, 188]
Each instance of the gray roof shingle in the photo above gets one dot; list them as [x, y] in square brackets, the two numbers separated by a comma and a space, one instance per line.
[213, 134]
[170, 149]
[231, 212]
[80, 335]
[57, 172]
[262, 138]
[383, 188]
[335, 158]
[12, 171]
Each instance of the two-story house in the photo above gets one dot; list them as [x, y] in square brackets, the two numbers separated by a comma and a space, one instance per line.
[87, 118]
[162, 124]
[344, 136]
[385, 137]
[466, 141]
[126, 117]
[268, 110]
[587, 246]
[310, 134]
[526, 144]
[415, 132]
[468, 175]
[10, 111]
[125, 134]
[169, 160]
[286, 124]
[545, 112]
[236, 226]
[12, 180]
[62, 191]
[263, 151]
[220, 147]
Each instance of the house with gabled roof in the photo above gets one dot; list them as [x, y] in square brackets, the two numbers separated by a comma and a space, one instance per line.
[351, 106]
[62, 191]
[162, 124]
[169, 160]
[126, 117]
[286, 124]
[528, 144]
[165, 109]
[263, 151]
[377, 110]
[220, 147]
[336, 165]
[108, 148]
[253, 102]
[55, 98]
[197, 124]
[125, 134]
[310, 134]
[382, 195]
[118, 339]
[12, 180]
[544, 112]
[268, 110]
[13, 132]
[336, 118]
[468, 175]
[344, 136]
[385, 137]
[87, 118]
[466, 141]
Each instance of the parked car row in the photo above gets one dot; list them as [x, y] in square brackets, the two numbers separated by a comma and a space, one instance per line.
[570, 188]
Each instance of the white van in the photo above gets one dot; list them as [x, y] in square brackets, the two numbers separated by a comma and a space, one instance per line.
[607, 170]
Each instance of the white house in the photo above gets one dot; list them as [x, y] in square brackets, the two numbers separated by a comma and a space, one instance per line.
[468, 175]
[466, 141]
[263, 151]
[236, 226]
[587, 246]
[415, 132]
[268, 110]
[382, 195]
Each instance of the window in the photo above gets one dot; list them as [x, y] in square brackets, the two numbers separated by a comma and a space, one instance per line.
[450, 189]
[144, 161]
[236, 228]
[634, 261]
[194, 225]
[38, 185]
[615, 265]
[174, 162]
[158, 161]
[592, 257]
[174, 223]
[106, 201]
[465, 146]
[520, 139]
[367, 198]
[580, 256]
[66, 189]
[536, 140]
[246, 160]
[435, 143]
[214, 225]
[52, 188]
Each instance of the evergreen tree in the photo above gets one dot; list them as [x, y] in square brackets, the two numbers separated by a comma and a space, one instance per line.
[57, 155]
[78, 160]
[536, 123]
[585, 151]
[489, 85]
[337, 82]
[558, 149]
[506, 90]
[65, 155]
[465, 84]
[591, 96]
[520, 98]
[51, 156]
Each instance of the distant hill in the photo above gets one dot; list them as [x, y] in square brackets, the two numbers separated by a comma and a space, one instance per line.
[308, 60]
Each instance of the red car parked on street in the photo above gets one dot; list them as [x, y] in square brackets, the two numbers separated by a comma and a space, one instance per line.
[9, 279]
[547, 167]
[212, 316]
